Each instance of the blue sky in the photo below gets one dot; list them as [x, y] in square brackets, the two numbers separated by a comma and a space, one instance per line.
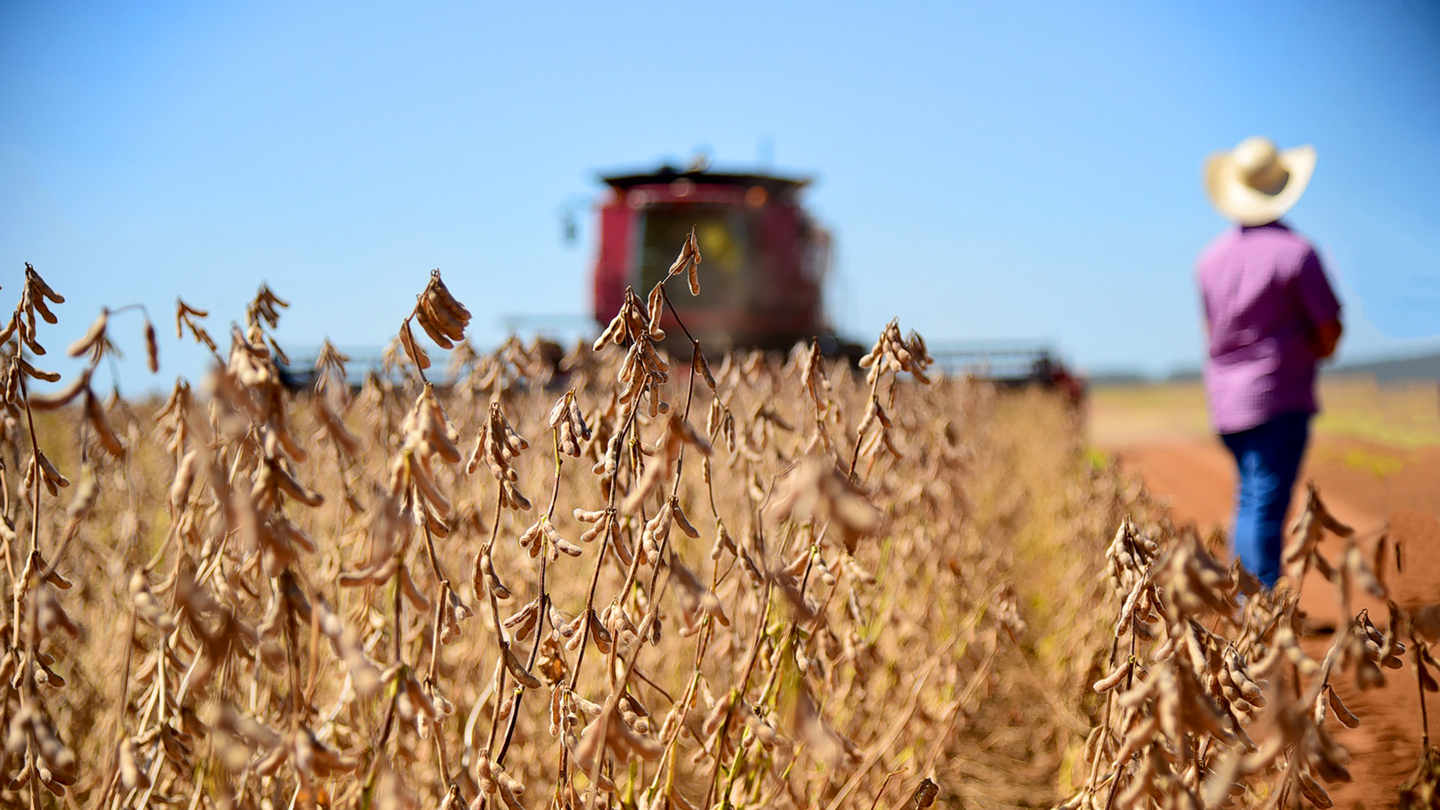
[1016, 170]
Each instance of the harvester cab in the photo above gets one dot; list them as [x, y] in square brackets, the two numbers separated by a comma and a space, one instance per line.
[765, 258]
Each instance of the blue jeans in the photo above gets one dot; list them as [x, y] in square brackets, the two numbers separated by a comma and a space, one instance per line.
[1268, 459]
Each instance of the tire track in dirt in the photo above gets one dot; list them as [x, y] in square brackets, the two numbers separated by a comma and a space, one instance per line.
[1196, 477]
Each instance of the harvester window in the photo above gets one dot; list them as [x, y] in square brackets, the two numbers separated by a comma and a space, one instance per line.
[722, 238]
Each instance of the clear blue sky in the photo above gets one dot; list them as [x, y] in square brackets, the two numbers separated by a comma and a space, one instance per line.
[1004, 170]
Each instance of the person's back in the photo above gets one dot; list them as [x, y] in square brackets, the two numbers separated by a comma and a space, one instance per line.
[1265, 297]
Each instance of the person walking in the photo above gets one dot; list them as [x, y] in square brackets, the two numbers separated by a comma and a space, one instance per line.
[1271, 316]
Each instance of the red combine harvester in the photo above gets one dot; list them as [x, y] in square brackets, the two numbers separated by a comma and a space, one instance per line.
[765, 262]
[764, 258]
[763, 274]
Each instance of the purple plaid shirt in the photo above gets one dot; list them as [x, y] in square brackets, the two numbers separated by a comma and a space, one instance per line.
[1265, 295]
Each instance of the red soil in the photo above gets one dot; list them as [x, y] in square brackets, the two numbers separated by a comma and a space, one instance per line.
[1375, 489]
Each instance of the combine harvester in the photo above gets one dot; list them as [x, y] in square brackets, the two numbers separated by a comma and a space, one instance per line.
[765, 266]
[765, 258]
[764, 272]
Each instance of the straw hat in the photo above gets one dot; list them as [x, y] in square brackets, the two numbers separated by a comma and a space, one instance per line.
[1256, 183]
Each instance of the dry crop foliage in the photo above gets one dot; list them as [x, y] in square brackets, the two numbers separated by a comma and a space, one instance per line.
[1199, 653]
[829, 590]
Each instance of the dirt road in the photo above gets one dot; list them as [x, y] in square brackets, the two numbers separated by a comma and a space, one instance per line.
[1375, 489]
